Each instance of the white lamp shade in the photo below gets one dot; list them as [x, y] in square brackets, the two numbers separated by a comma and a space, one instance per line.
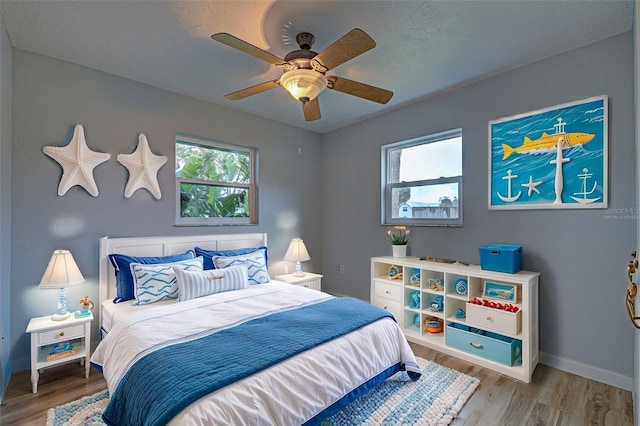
[61, 271]
[303, 84]
[297, 252]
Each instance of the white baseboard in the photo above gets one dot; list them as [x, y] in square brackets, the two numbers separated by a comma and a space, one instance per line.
[588, 371]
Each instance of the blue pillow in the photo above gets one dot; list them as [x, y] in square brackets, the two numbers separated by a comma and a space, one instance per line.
[124, 279]
[208, 254]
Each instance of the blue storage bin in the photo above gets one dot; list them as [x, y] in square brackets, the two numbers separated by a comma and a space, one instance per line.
[499, 348]
[501, 257]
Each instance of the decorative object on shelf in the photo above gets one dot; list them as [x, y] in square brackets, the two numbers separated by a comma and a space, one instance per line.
[493, 290]
[395, 272]
[78, 162]
[415, 300]
[461, 286]
[433, 325]
[435, 284]
[460, 313]
[399, 239]
[87, 305]
[496, 305]
[437, 304]
[297, 252]
[574, 178]
[399, 251]
[61, 350]
[415, 277]
[416, 320]
[501, 257]
[61, 272]
[143, 166]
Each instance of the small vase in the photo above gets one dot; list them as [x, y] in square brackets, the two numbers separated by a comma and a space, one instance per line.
[399, 250]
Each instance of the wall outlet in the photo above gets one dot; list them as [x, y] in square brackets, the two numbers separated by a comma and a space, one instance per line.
[342, 269]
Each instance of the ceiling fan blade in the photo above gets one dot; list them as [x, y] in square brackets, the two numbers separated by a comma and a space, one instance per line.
[253, 90]
[358, 89]
[354, 43]
[311, 110]
[245, 47]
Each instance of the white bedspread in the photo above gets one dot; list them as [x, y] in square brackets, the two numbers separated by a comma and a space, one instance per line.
[286, 394]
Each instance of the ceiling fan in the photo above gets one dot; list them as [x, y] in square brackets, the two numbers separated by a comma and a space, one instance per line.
[304, 70]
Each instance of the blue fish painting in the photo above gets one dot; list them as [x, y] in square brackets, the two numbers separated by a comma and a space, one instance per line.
[551, 158]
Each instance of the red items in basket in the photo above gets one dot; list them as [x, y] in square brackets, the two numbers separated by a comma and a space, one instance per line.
[496, 305]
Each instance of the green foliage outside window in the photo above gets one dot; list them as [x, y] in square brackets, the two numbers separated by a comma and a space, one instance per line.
[214, 181]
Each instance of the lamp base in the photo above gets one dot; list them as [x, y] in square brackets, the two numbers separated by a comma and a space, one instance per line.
[60, 317]
[298, 272]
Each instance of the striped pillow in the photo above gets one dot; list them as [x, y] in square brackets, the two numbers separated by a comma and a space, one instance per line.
[153, 283]
[256, 265]
[202, 283]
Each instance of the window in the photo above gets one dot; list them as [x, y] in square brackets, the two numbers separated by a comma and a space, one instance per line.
[215, 183]
[422, 181]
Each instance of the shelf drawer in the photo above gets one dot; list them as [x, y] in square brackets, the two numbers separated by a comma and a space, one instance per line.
[60, 334]
[494, 319]
[496, 347]
[388, 291]
[393, 306]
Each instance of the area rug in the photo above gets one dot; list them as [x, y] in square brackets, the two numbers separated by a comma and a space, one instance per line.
[434, 400]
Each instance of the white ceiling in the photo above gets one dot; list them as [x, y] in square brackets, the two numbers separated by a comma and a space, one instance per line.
[423, 47]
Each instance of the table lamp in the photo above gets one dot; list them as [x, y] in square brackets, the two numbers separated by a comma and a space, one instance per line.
[297, 252]
[61, 272]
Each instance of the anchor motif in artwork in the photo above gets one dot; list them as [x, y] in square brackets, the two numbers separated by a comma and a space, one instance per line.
[509, 198]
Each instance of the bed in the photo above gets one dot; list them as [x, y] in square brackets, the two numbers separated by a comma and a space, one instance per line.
[262, 354]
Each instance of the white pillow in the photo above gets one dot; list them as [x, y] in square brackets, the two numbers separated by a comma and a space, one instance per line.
[193, 284]
[156, 282]
[256, 265]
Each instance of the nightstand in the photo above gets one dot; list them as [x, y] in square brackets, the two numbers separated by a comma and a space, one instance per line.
[46, 333]
[309, 280]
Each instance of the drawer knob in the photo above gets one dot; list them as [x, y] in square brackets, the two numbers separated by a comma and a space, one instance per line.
[384, 307]
[61, 333]
[306, 286]
[387, 292]
[475, 345]
[488, 318]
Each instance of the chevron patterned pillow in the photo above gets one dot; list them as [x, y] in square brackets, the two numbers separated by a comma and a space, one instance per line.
[153, 283]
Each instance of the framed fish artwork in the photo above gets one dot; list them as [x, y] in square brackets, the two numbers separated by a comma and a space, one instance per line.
[551, 158]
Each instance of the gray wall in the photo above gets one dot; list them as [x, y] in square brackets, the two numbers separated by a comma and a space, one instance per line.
[51, 96]
[5, 207]
[580, 254]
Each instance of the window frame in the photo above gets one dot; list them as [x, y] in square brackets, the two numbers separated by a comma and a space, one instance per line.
[252, 186]
[387, 187]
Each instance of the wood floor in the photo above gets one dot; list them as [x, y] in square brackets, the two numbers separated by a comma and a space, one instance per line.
[552, 398]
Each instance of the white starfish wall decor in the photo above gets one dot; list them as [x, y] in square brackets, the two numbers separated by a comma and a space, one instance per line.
[78, 162]
[143, 166]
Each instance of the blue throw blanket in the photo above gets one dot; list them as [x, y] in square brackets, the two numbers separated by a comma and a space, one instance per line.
[164, 382]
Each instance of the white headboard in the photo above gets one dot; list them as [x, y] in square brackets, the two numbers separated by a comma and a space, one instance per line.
[163, 246]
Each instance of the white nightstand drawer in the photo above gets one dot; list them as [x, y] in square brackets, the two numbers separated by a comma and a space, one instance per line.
[308, 280]
[313, 284]
[60, 334]
[389, 291]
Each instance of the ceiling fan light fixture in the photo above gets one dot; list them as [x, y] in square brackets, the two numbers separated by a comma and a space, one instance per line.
[303, 84]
